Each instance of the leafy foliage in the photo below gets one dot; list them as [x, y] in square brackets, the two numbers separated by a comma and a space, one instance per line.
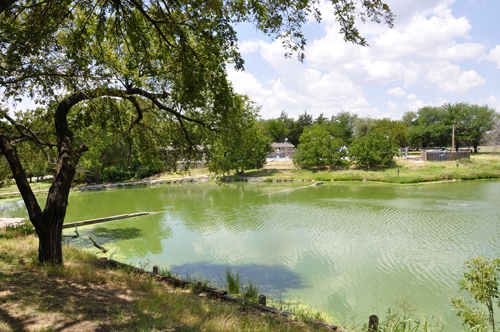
[318, 148]
[432, 125]
[164, 57]
[374, 149]
[481, 282]
[245, 149]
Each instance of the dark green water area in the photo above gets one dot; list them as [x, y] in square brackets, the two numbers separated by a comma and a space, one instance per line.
[349, 249]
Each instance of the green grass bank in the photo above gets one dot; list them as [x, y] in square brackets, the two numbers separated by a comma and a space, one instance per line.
[84, 295]
[480, 166]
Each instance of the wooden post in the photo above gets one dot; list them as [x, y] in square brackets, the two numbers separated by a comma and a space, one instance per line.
[453, 143]
[373, 323]
[262, 299]
[155, 269]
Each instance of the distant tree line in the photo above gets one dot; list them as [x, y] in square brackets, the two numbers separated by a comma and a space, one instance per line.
[366, 141]
[432, 125]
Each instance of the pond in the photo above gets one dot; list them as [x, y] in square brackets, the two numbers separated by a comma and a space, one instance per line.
[349, 249]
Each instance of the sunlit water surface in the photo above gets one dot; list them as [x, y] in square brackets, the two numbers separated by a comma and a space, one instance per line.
[350, 250]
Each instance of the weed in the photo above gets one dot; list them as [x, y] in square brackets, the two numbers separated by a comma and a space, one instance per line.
[397, 322]
[232, 282]
[251, 291]
[22, 230]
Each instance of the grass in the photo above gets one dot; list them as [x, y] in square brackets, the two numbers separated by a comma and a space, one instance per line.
[84, 295]
[397, 322]
[12, 187]
[481, 166]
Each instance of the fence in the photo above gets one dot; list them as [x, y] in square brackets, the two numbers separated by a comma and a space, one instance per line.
[443, 155]
[282, 154]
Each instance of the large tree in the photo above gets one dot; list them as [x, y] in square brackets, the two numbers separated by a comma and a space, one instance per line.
[318, 148]
[472, 122]
[168, 54]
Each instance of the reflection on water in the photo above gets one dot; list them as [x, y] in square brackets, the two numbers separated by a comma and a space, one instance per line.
[349, 249]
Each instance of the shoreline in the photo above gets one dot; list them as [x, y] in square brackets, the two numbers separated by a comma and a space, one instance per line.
[268, 179]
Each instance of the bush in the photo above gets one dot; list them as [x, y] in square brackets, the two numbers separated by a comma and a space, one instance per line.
[318, 148]
[481, 281]
[373, 150]
[115, 174]
[144, 171]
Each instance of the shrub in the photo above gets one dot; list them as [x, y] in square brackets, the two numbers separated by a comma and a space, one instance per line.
[481, 281]
[318, 148]
[373, 149]
[144, 171]
[115, 174]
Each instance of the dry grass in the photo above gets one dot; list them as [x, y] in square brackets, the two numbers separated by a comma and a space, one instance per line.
[83, 295]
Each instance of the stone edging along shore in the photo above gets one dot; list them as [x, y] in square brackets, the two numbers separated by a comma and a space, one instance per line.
[204, 178]
[210, 292]
[201, 179]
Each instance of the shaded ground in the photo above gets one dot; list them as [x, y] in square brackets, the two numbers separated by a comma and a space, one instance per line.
[83, 295]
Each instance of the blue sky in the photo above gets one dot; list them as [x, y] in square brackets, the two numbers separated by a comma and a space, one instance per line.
[438, 51]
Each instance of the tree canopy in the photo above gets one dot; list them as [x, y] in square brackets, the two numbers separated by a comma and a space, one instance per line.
[432, 126]
[165, 57]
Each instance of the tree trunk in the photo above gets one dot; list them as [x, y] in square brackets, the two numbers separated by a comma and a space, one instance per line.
[492, 318]
[49, 243]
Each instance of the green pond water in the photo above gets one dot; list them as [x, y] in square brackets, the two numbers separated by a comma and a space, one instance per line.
[349, 249]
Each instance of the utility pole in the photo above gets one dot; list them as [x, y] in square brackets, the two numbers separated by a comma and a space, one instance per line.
[453, 142]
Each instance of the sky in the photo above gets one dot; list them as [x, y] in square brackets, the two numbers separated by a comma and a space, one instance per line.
[439, 51]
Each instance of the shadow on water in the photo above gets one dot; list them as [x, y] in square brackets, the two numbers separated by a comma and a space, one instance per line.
[123, 233]
[101, 235]
[271, 279]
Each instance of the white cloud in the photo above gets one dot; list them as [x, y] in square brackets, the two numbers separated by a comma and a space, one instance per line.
[412, 96]
[398, 92]
[415, 105]
[250, 46]
[450, 78]
[494, 55]
[494, 101]
[421, 52]
[393, 106]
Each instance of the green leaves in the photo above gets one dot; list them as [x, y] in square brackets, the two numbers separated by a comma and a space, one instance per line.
[481, 282]
[318, 148]
[374, 149]
[432, 126]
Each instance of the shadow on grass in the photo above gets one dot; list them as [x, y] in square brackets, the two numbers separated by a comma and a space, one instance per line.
[39, 301]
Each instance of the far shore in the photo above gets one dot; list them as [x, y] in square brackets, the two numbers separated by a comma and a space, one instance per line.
[483, 165]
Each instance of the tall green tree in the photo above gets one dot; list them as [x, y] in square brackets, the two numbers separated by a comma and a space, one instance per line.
[342, 125]
[245, 150]
[431, 128]
[472, 122]
[170, 54]
[395, 129]
[374, 149]
[276, 129]
[318, 148]
[364, 126]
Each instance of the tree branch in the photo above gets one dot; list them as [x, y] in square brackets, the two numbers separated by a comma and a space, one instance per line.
[34, 210]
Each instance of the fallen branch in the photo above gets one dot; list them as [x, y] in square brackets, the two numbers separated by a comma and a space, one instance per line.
[104, 250]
